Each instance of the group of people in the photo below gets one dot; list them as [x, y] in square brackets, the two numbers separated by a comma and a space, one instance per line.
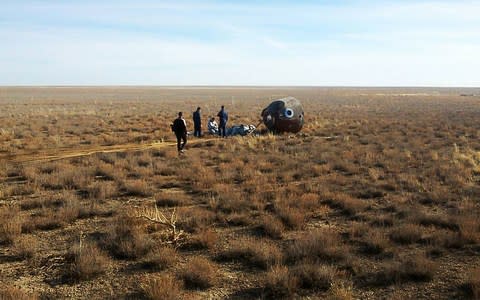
[179, 126]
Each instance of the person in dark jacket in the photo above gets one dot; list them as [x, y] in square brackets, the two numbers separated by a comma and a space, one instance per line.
[197, 123]
[223, 119]
[179, 127]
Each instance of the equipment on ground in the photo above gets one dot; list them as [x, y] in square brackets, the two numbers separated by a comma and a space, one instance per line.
[242, 130]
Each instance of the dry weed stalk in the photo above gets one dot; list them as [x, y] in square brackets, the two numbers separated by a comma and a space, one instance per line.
[158, 217]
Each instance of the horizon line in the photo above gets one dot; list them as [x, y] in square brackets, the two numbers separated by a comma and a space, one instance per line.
[228, 86]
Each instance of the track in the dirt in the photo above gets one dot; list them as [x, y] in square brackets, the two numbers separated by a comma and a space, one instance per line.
[63, 153]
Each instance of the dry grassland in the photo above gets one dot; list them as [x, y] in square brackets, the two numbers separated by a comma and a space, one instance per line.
[377, 197]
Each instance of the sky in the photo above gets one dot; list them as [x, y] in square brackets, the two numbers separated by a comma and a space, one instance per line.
[294, 43]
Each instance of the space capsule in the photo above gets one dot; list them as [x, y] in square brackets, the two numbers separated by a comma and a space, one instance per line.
[284, 115]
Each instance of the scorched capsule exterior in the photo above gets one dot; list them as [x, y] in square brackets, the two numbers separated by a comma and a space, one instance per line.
[284, 115]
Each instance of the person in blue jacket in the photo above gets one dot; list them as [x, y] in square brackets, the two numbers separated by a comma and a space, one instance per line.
[223, 119]
[197, 123]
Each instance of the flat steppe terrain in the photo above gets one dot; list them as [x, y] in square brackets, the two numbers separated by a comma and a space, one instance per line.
[378, 197]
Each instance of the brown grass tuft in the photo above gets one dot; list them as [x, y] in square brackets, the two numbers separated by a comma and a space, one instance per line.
[473, 283]
[164, 287]
[340, 291]
[255, 253]
[10, 224]
[89, 262]
[271, 227]
[469, 228]
[315, 276]
[375, 242]
[160, 258]
[280, 283]
[204, 239]
[136, 187]
[417, 269]
[200, 273]
[15, 293]
[126, 238]
[407, 234]
[348, 204]
[292, 217]
[192, 220]
[102, 190]
[321, 244]
[171, 199]
[25, 247]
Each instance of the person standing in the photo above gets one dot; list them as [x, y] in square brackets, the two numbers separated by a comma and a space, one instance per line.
[223, 119]
[179, 127]
[197, 123]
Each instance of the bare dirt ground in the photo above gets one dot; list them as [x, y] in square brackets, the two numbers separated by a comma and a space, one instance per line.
[65, 153]
[376, 198]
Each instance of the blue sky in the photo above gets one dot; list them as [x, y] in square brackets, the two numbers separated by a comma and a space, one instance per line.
[345, 43]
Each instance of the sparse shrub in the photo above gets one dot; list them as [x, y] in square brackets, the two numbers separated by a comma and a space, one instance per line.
[102, 190]
[89, 262]
[307, 201]
[29, 204]
[407, 234]
[383, 221]
[271, 227]
[280, 282]
[49, 168]
[163, 170]
[469, 228]
[192, 220]
[160, 258]
[144, 160]
[199, 273]
[314, 276]
[255, 253]
[46, 219]
[25, 247]
[292, 217]
[15, 293]
[137, 187]
[473, 283]
[171, 199]
[375, 242]
[358, 230]
[158, 153]
[340, 291]
[164, 287]
[69, 212]
[319, 244]
[10, 224]
[416, 268]
[21, 189]
[349, 205]
[370, 194]
[447, 239]
[66, 177]
[435, 220]
[51, 217]
[233, 202]
[126, 239]
[238, 219]
[107, 158]
[106, 171]
[204, 239]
